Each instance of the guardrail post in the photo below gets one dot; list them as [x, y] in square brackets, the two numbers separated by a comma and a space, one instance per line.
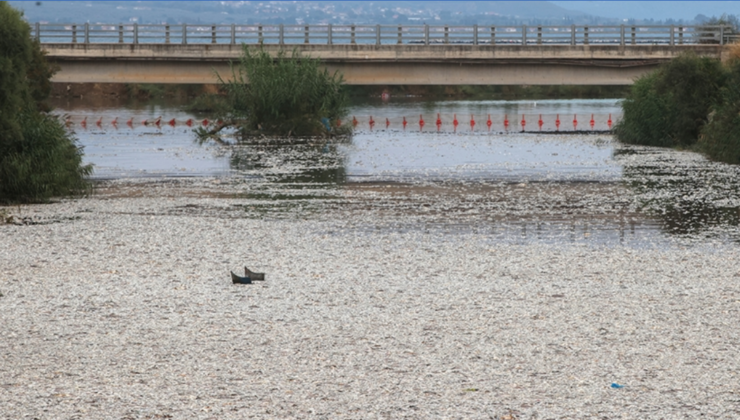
[493, 35]
[475, 34]
[282, 35]
[524, 34]
[426, 34]
[260, 39]
[585, 35]
[329, 33]
[377, 34]
[38, 31]
[184, 34]
[87, 33]
[680, 35]
[539, 35]
[572, 34]
[447, 34]
[305, 35]
[167, 34]
[400, 32]
[352, 35]
[136, 33]
[233, 34]
[722, 35]
[633, 36]
[74, 34]
[671, 38]
[621, 35]
[213, 34]
[120, 34]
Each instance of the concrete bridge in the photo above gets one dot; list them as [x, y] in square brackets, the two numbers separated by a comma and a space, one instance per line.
[377, 55]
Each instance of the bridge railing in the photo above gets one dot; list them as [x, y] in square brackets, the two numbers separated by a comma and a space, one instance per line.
[625, 35]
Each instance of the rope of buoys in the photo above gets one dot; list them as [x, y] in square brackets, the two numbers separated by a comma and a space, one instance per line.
[173, 122]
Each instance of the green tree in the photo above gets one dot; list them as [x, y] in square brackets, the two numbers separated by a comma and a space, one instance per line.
[720, 138]
[284, 95]
[670, 106]
[38, 158]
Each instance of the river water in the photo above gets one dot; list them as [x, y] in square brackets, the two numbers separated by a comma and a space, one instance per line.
[520, 182]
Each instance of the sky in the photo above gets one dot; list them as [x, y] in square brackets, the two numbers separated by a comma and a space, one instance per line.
[653, 9]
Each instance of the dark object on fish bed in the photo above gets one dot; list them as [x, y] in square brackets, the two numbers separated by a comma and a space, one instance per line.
[254, 276]
[240, 280]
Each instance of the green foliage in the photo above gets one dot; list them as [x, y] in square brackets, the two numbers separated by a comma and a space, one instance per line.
[721, 136]
[284, 95]
[38, 158]
[669, 106]
[42, 163]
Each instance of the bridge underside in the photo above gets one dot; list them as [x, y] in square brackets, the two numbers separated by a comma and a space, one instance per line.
[376, 73]
[375, 65]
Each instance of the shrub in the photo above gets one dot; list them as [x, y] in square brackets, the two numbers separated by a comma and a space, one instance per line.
[720, 138]
[38, 157]
[284, 95]
[669, 106]
[41, 163]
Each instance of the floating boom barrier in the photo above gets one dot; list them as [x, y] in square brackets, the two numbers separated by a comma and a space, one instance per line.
[545, 123]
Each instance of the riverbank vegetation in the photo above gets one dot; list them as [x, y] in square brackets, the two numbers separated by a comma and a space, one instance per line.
[285, 95]
[691, 102]
[38, 157]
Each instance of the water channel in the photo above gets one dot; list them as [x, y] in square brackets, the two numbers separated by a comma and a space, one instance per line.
[567, 182]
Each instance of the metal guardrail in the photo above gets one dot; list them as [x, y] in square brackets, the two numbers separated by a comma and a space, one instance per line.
[625, 35]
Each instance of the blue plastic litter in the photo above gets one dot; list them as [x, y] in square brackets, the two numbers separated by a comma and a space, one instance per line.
[325, 121]
[616, 385]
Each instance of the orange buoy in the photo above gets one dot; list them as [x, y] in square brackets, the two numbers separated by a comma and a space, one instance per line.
[524, 122]
[387, 123]
[454, 122]
[575, 122]
[372, 122]
[172, 122]
[557, 122]
[506, 122]
[439, 122]
[489, 123]
[354, 121]
[472, 122]
[592, 122]
[539, 123]
[404, 123]
[609, 121]
[421, 122]
[189, 122]
[205, 122]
